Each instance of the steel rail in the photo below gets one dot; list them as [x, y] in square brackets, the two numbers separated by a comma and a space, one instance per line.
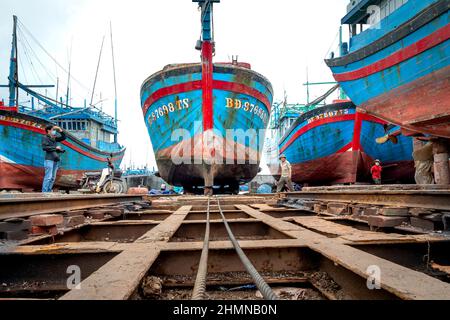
[261, 284]
[430, 199]
[23, 206]
[199, 292]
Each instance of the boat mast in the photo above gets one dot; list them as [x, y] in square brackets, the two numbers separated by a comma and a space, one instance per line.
[307, 85]
[115, 81]
[342, 53]
[207, 49]
[206, 45]
[96, 73]
[68, 76]
[13, 70]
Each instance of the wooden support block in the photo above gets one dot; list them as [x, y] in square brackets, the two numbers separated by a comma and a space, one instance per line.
[372, 211]
[417, 212]
[47, 220]
[53, 230]
[394, 212]
[356, 210]
[339, 209]
[386, 222]
[426, 224]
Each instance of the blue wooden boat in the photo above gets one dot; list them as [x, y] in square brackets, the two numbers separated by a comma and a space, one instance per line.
[192, 112]
[91, 137]
[398, 69]
[336, 144]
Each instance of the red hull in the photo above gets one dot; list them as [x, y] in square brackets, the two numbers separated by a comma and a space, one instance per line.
[405, 105]
[349, 167]
[13, 176]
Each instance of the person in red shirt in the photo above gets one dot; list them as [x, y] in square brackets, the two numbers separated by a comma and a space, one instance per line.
[376, 172]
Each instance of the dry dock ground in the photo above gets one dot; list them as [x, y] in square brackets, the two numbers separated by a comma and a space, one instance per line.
[320, 244]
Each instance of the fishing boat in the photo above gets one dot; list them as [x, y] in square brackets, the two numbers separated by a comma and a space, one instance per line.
[336, 144]
[398, 68]
[91, 136]
[207, 120]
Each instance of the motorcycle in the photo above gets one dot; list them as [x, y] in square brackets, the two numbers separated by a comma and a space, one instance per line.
[108, 181]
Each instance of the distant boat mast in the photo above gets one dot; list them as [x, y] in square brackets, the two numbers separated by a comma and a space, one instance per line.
[115, 81]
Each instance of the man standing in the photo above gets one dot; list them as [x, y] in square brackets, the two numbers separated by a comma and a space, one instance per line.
[376, 172]
[50, 141]
[286, 175]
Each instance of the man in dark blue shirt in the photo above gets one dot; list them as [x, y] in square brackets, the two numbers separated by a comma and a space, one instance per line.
[50, 141]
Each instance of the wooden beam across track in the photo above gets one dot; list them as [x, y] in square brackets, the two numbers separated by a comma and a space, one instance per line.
[405, 283]
[119, 278]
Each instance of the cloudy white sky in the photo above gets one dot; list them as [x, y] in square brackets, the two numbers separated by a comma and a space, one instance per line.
[281, 39]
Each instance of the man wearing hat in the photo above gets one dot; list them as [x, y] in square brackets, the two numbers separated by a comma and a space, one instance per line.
[286, 175]
[376, 172]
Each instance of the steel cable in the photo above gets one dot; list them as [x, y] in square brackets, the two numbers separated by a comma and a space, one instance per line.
[261, 284]
[199, 292]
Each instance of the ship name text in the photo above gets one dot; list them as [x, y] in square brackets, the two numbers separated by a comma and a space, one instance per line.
[247, 107]
[166, 109]
[21, 121]
[330, 114]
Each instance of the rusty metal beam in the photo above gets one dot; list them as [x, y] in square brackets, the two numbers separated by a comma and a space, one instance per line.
[405, 283]
[431, 199]
[19, 207]
[119, 278]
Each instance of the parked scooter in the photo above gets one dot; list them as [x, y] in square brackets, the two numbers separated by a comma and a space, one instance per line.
[107, 181]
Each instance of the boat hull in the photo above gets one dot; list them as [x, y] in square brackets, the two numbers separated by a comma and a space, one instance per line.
[336, 144]
[22, 158]
[403, 75]
[184, 149]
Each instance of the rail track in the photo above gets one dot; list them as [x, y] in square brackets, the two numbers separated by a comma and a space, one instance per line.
[26, 205]
[200, 283]
[417, 197]
[251, 247]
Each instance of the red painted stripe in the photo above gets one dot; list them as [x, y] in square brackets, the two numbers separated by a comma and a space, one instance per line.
[315, 124]
[22, 126]
[345, 148]
[167, 91]
[370, 118]
[68, 144]
[243, 89]
[207, 86]
[74, 147]
[357, 132]
[4, 108]
[409, 52]
[197, 85]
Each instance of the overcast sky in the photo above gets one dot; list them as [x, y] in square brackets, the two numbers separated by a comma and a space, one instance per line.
[281, 39]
